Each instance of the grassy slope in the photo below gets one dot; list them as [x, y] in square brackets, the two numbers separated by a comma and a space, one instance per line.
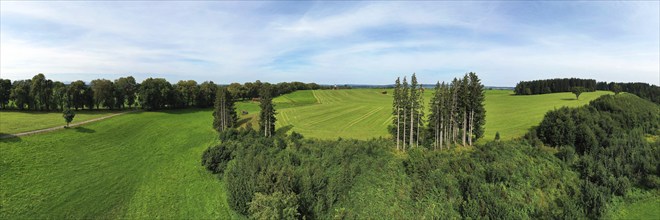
[12, 122]
[645, 209]
[359, 113]
[513, 115]
[140, 165]
[366, 113]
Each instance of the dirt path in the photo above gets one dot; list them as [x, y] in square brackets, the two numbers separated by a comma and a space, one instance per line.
[3, 136]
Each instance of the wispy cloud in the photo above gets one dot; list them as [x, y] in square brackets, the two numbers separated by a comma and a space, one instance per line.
[331, 42]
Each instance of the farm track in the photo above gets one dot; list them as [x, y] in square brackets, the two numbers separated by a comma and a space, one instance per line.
[3, 136]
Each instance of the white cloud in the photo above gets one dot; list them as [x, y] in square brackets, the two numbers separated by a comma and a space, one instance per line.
[228, 42]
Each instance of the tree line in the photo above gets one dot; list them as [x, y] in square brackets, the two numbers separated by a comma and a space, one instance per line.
[643, 90]
[546, 86]
[456, 113]
[42, 94]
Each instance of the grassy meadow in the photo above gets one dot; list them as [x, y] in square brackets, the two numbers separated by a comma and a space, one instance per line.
[138, 165]
[16, 122]
[366, 113]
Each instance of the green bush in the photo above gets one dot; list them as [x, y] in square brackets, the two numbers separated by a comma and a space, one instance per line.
[215, 159]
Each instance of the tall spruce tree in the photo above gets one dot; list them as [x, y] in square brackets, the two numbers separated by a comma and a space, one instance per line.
[454, 109]
[434, 118]
[396, 111]
[405, 106]
[224, 113]
[413, 108]
[477, 110]
[267, 117]
[464, 105]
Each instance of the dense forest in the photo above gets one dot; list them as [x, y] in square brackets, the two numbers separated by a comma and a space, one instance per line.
[546, 86]
[42, 94]
[569, 167]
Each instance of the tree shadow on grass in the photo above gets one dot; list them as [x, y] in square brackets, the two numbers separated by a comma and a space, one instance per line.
[7, 138]
[84, 130]
[283, 130]
[182, 110]
[240, 122]
[569, 99]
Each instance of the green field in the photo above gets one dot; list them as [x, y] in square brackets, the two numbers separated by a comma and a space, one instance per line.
[13, 122]
[366, 113]
[139, 165]
[513, 115]
[638, 204]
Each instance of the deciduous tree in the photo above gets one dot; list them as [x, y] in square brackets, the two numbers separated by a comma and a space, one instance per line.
[578, 90]
[104, 93]
[125, 88]
[5, 92]
[68, 116]
[20, 94]
[41, 92]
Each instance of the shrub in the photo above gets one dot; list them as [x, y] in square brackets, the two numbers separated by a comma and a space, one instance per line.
[216, 158]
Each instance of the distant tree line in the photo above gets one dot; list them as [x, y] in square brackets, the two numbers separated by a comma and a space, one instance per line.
[643, 90]
[546, 86]
[457, 113]
[42, 94]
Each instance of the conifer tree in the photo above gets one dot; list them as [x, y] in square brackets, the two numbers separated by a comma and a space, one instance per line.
[396, 110]
[405, 105]
[477, 110]
[267, 116]
[413, 108]
[224, 113]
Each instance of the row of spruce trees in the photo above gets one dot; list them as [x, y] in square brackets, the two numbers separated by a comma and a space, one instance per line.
[225, 117]
[546, 86]
[457, 113]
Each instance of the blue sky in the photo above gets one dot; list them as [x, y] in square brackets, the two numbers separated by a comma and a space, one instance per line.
[331, 42]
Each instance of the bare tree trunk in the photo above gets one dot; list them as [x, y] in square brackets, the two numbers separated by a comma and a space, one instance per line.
[404, 129]
[471, 126]
[417, 139]
[435, 146]
[441, 127]
[437, 121]
[451, 125]
[412, 124]
[464, 125]
[398, 124]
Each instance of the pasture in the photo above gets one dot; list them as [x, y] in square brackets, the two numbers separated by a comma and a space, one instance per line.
[15, 122]
[366, 113]
[138, 165]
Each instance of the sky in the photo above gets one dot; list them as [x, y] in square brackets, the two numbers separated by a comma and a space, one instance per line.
[352, 42]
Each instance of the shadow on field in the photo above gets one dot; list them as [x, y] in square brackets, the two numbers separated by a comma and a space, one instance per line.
[84, 130]
[284, 130]
[184, 111]
[6, 138]
[569, 99]
[243, 121]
